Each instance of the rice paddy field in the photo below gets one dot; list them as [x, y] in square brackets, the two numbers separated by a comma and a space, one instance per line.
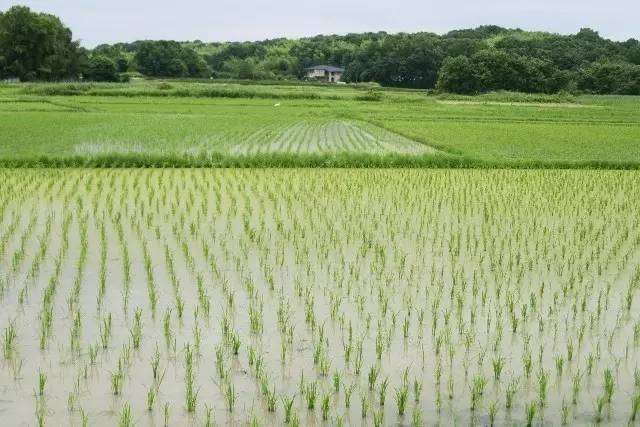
[181, 125]
[319, 297]
[198, 254]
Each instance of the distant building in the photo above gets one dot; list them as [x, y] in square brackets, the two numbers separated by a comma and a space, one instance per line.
[325, 73]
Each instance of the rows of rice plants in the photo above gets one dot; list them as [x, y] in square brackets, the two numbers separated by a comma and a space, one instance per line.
[319, 297]
[280, 137]
[325, 137]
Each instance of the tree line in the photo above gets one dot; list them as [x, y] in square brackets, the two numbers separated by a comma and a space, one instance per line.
[36, 46]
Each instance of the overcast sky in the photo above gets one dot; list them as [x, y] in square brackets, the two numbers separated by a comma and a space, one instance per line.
[95, 22]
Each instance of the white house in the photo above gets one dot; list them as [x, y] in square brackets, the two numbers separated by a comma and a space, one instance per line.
[325, 73]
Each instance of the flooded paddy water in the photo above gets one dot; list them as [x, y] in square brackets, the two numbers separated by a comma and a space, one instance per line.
[319, 297]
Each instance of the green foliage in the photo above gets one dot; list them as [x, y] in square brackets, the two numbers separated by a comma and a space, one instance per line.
[102, 69]
[37, 46]
[169, 59]
[458, 75]
[490, 70]
[611, 77]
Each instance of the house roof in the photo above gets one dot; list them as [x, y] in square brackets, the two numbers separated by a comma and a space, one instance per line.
[329, 68]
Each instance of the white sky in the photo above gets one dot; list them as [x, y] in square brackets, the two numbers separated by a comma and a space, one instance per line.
[95, 22]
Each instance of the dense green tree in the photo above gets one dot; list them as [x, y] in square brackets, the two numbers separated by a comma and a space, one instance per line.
[452, 47]
[611, 78]
[244, 69]
[632, 51]
[398, 60]
[493, 69]
[37, 46]
[500, 70]
[102, 69]
[177, 68]
[458, 75]
[117, 53]
[169, 59]
[122, 64]
[196, 65]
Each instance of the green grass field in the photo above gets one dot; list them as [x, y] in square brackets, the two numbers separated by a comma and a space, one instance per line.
[192, 124]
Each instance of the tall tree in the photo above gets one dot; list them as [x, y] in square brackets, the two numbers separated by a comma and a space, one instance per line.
[37, 46]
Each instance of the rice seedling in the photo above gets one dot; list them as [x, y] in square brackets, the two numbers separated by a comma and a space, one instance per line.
[151, 398]
[543, 380]
[575, 387]
[530, 412]
[311, 394]
[477, 390]
[295, 420]
[336, 382]
[493, 412]
[325, 406]
[230, 395]
[402, 395]
[116, 382]
[42, 382]
[559, 365]
[609, 385]
[417, 390]
[498, 366]
[136, 331]
[155, 365]
[287, 403]
[416, 417]
[324, 365]
[191, 395]
[272, 400]
[600, 404]
[93, 354]
[372, 377]
[208, 416]
[510, 393]
[378, 418]
[235, 344]
[9, 341]
[364, 406]
[347, 395]
[126, 418]
[105, 331]
[382, 391]
[220, 364]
